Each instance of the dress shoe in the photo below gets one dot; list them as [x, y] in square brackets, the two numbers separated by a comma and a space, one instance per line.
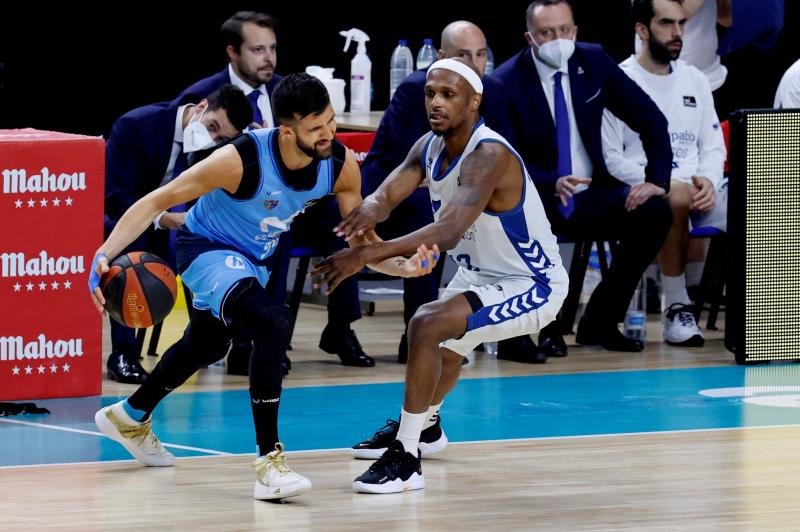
[520, 349]
[607, 336]
[346, 346]
[125, 368]
[552, 343]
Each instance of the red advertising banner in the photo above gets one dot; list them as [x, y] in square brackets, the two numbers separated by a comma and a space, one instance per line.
[51, 205]
[359, 143]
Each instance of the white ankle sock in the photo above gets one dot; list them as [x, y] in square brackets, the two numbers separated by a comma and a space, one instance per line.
[410, 429]
[433, 415]
[694, 272]
[674, 289]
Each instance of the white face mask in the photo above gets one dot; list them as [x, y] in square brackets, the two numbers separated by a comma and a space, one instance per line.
[557, 52]
[196, 136]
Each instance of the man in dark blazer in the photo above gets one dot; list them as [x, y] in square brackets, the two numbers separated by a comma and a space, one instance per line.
[557, 91]
[403, 123]
[147, 147]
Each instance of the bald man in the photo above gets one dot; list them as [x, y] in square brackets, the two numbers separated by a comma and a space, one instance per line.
[488, 216]
[404, 121]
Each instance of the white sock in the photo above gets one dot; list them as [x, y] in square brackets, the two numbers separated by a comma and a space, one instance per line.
[652, 272]
[694, 272]
[410, 429]
[433, 415]
[674, 289]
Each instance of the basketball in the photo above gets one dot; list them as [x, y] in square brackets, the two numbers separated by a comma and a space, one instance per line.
[139, 289]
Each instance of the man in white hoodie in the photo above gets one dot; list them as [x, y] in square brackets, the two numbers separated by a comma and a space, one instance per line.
[683, 94]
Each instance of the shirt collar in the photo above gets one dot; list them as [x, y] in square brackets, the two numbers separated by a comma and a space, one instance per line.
[178, 137]
[239, 82]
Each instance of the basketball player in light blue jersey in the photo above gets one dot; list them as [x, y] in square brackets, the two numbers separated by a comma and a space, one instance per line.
[250, 191]
[490, 220]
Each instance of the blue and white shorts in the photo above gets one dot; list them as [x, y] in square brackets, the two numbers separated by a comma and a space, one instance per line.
[512, 306]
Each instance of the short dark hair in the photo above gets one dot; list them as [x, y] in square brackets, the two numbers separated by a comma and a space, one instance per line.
[231, 30]
[538, 3]
[234, 102]
[643, 11]
[297, 96]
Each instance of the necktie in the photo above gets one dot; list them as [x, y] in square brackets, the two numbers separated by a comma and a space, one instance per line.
[253, 97]
[181, 164]
[564, 164]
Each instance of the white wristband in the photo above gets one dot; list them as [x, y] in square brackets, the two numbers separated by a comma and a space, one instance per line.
[157, 219]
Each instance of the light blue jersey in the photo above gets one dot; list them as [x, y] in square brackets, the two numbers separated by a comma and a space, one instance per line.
[254, 225]
[225, 239]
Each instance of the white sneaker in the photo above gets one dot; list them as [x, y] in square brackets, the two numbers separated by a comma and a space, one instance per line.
[680, 328]
[137, 438]
[274, 479]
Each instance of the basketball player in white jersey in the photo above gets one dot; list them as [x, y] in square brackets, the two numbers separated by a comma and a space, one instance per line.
[488, 216]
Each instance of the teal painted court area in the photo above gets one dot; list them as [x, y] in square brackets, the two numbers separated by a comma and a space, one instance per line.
[331, 417]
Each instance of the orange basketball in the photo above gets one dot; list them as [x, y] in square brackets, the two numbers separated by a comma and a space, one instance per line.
[139, 288]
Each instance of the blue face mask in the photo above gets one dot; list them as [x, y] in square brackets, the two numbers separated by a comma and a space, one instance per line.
[196, 136]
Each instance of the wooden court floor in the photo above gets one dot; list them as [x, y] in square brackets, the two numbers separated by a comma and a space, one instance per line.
[734, 479]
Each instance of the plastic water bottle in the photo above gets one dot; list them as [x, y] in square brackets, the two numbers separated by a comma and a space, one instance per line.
[635, 326]
[426, 55]
[489, 62]
[490, 348]
[401, 66]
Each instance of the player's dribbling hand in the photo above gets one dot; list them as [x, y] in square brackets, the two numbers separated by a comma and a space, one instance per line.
[421, 263]
[361, 219]
[99, 267]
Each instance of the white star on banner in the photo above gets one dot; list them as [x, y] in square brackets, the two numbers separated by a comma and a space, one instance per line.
[31, 203]
[42, 286]
[15, 370]
[65, 367]
[17, 286]
[43, 202]
[67, 284]
[29, 286]
[28, 370]
[68, 201]
[54, 284]
[18, 204]
[41, 369]
[56, 202]
[53, 368]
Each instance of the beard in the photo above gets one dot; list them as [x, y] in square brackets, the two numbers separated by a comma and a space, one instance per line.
[313, 151]
[661, 54]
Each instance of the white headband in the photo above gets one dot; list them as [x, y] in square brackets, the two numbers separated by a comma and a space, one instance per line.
[461, 69]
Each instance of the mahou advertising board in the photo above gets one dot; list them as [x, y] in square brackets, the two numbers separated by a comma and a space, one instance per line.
[51, 205]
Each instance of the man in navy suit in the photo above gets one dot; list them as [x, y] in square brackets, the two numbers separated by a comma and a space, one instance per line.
[251, 46]
[558, 90]
[147, 147]
[403, 123]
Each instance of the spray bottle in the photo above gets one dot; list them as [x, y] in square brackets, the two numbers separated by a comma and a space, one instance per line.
[360, 71]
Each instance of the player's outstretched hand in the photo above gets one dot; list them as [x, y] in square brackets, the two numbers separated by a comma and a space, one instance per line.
[422, 262]
[338, 267]
[361, 219]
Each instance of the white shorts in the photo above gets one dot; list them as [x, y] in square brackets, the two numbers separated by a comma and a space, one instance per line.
[512, 306]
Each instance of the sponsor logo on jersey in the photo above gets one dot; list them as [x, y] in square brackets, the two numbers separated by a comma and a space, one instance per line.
[689, 101]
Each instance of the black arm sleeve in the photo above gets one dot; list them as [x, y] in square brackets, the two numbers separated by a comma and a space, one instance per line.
[246, 147]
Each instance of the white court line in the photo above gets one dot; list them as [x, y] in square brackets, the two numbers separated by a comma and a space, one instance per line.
[215, 454]
[94, 433]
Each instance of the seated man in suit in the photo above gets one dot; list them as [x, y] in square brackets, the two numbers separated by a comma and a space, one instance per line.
[147, 147]
[251, 45]
[557, 91]
[683, 94]
[405, 121]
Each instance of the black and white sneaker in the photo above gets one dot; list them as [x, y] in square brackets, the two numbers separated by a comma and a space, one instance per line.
[394, 472]
[680, 329]
[431, 441]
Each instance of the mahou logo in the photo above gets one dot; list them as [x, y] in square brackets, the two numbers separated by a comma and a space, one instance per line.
[16, 348]
[16, 264]
[17, 181]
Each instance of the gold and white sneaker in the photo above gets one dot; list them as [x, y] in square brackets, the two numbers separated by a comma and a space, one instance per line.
[136, 437]
[274, 479]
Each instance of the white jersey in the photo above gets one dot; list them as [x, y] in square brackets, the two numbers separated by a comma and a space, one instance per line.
[685, 99]
[788, 94]
[517, 242]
